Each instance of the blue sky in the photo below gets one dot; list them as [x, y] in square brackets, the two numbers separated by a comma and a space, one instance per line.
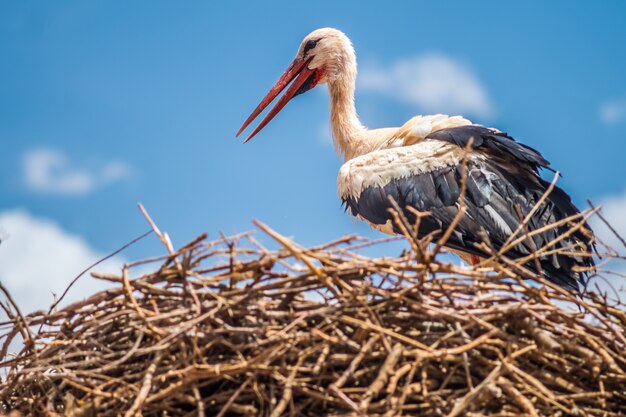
[105, 104]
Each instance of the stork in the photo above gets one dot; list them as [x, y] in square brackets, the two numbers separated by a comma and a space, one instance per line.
[420, 165]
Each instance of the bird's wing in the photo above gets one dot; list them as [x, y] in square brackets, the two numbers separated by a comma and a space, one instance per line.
[494, 143]
[501, 175]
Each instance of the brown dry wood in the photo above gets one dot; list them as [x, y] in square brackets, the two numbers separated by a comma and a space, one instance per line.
[231, 327]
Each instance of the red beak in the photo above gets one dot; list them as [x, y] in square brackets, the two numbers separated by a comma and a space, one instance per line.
[306, 79]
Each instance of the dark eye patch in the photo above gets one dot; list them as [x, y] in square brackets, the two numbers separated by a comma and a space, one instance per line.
[310, 45]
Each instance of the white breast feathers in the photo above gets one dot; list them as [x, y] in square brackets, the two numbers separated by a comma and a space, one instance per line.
[378, 168]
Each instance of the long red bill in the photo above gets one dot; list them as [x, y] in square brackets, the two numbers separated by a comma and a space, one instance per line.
[298, 68]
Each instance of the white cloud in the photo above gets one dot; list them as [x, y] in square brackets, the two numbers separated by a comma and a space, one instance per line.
[614, 111]
[614, 211]
[50, 171]
[38, 259]
[325, 134]
[434, 82]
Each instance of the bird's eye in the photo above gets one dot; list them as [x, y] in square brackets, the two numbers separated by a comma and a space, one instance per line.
[310, 45]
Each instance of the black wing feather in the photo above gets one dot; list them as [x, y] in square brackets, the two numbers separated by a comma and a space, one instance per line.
[492, 194]
[492, 140]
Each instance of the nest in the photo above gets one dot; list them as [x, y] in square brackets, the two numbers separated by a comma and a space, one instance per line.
[231, 328]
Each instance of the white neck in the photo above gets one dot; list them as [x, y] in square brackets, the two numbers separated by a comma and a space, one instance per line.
[348, 132]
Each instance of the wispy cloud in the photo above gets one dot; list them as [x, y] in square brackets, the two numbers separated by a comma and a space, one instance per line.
[613, 209]
[325, 134]
[51, 171]
[436, 83]
[38, 259]
[614, 111]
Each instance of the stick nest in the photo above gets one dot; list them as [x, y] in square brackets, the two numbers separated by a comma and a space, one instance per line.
[230, 328]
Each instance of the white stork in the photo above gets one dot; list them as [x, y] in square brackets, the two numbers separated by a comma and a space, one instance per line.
[420, 165]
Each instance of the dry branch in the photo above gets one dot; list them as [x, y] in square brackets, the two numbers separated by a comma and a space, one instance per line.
[230, 327]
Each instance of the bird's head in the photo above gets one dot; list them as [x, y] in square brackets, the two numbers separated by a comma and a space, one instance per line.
[324, 56]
